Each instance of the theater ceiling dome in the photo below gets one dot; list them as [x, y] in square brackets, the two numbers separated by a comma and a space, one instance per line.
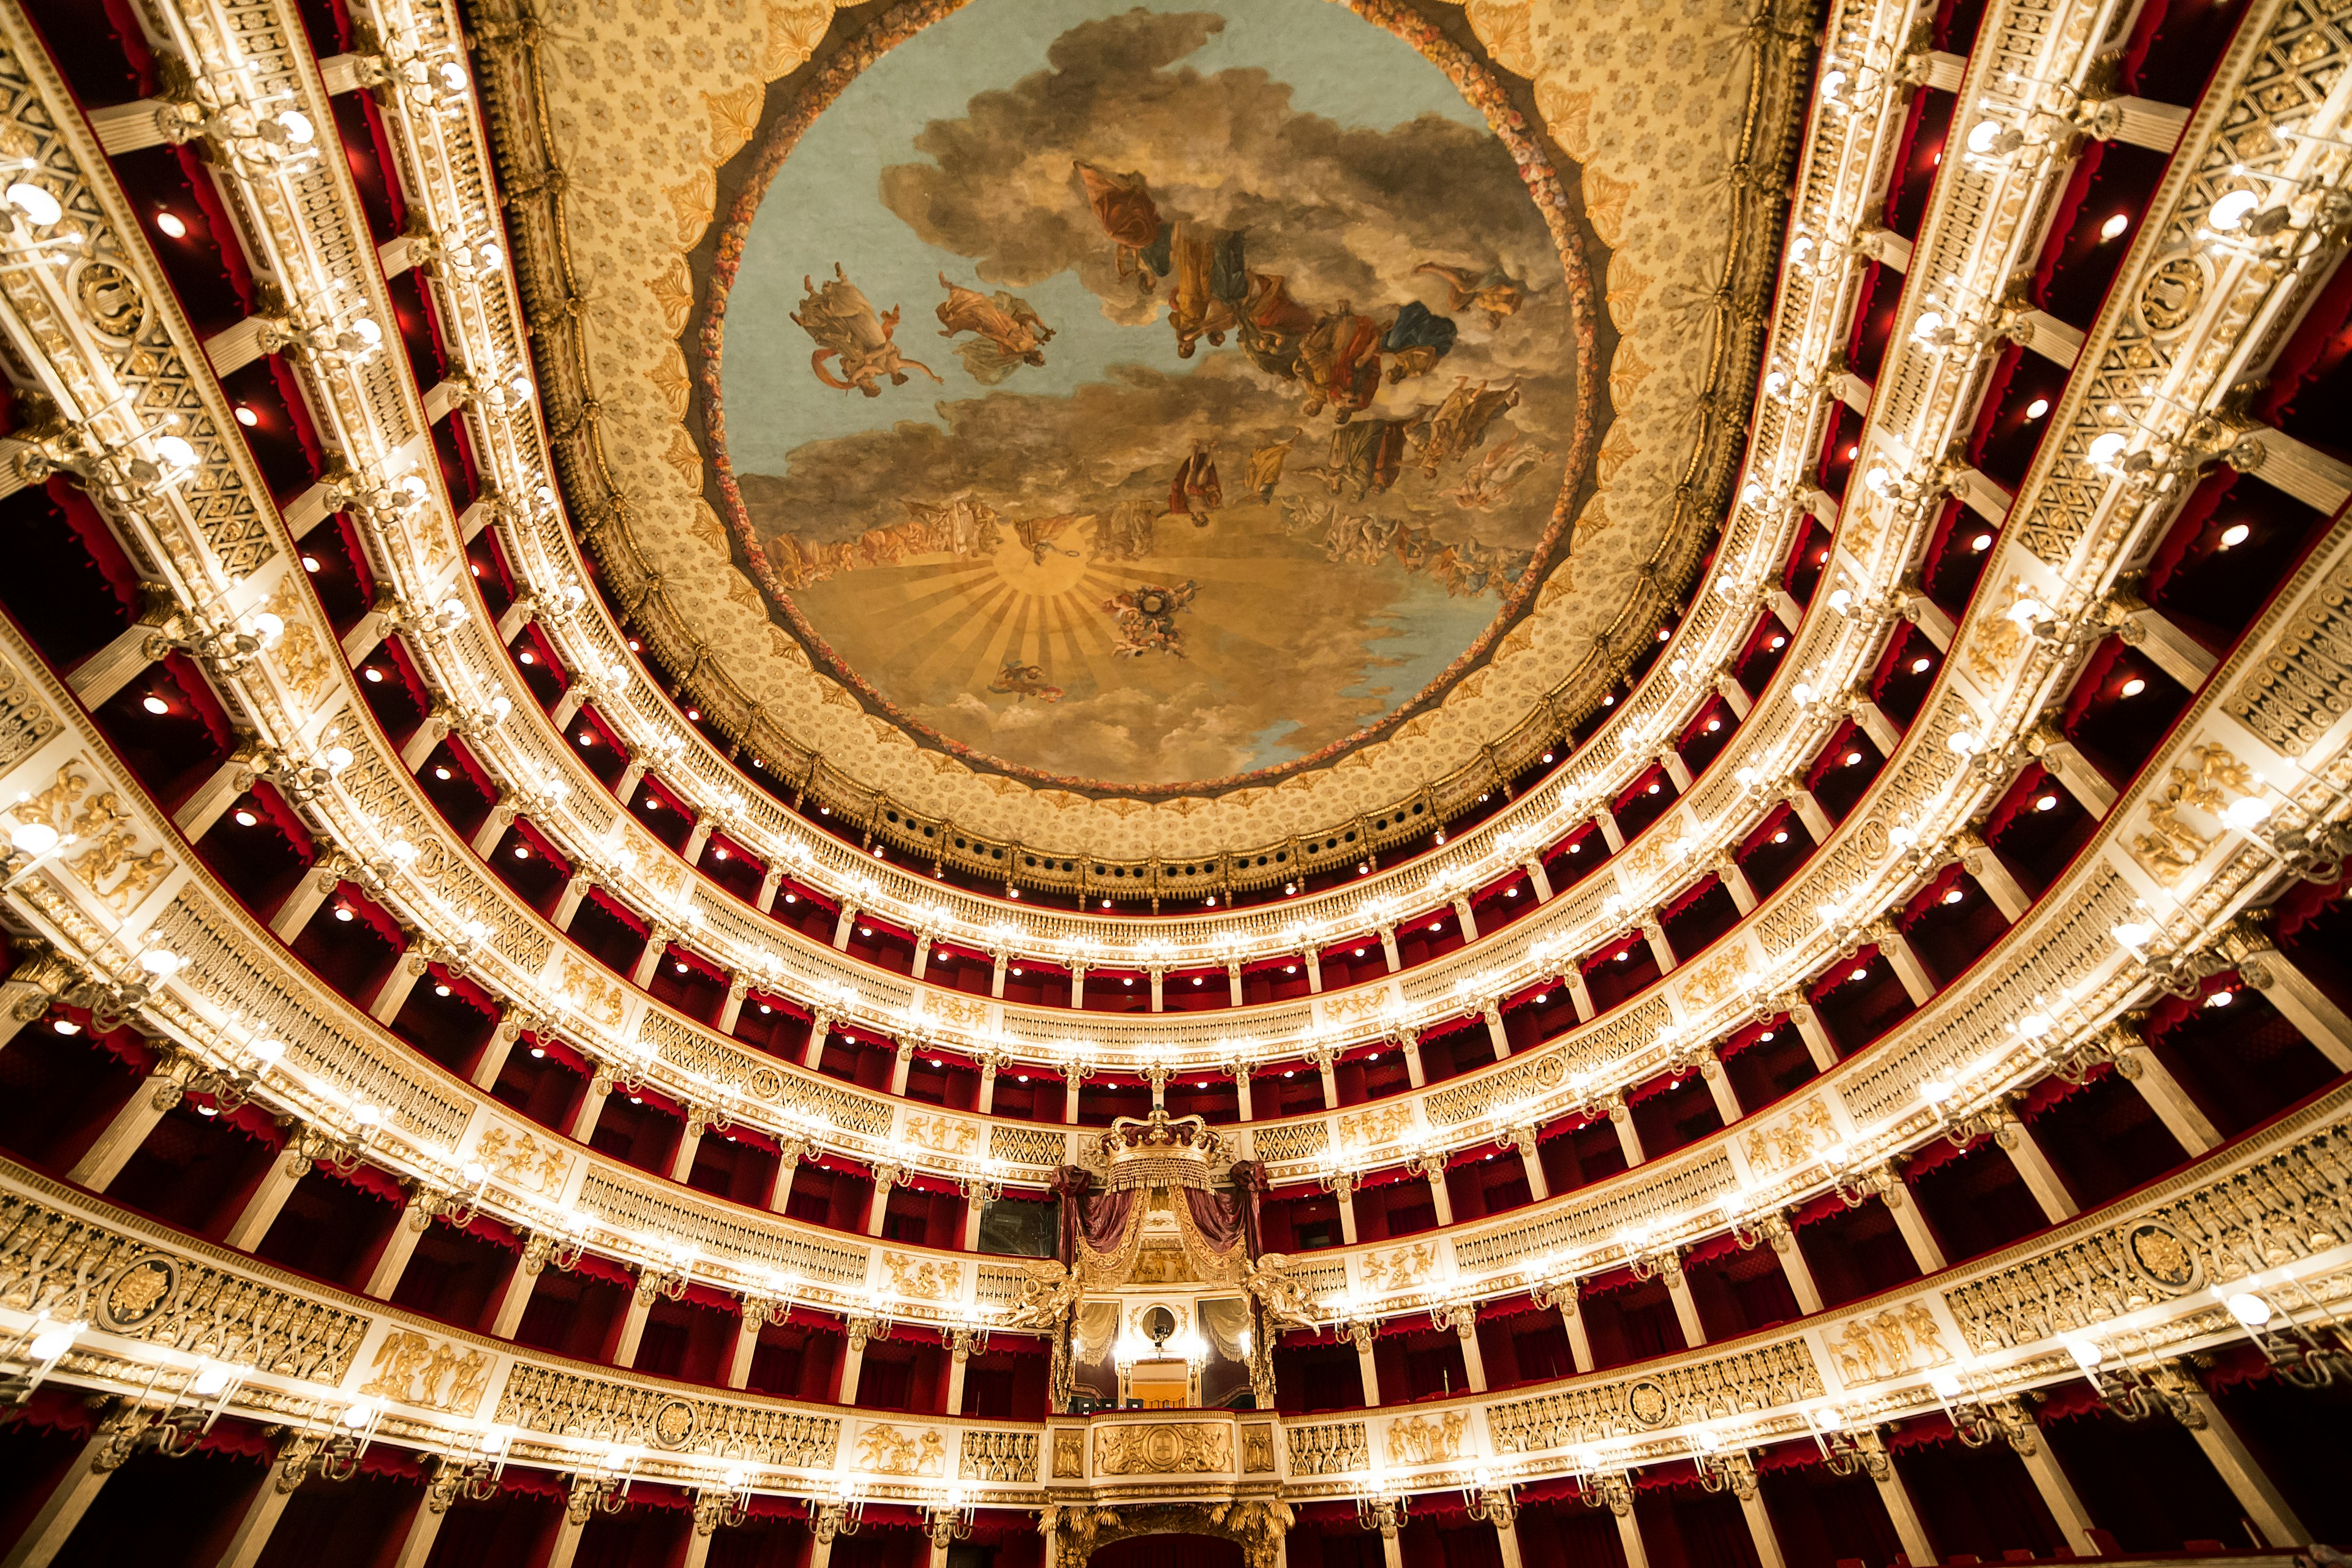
[1149, 431]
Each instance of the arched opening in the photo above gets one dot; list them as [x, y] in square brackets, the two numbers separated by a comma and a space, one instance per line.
[1171, 1549]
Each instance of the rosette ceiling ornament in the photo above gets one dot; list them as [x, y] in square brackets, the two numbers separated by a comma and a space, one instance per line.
[1049, 437]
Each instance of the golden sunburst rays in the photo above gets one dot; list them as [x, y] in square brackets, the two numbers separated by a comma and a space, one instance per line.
[931, 628]
[927, 631]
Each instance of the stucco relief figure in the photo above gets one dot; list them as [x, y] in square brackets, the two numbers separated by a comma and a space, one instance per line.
[1125, 531]
[1009, 333]
[848, 332]
[1123, 205]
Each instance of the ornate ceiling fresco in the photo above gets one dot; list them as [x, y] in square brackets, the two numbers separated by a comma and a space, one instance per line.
[1150, 431]
[1268, 428]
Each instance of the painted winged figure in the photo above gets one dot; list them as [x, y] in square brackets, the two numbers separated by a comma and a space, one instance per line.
[1145, 618]
[1461, 421]
[849, 330]
[1493, 290]
[1017, 679]
[1009, 334]
[1488, 485]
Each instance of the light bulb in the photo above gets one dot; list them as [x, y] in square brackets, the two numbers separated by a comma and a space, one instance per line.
[32, 838]
[39, 207]
[2225, 216]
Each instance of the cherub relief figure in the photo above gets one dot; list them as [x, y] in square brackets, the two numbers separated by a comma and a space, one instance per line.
[848, 332]
[1011, 335]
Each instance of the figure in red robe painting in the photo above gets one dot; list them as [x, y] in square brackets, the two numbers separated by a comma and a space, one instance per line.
[1339, 364]
[1123, 205]
[1196, 491]
[1272, 325]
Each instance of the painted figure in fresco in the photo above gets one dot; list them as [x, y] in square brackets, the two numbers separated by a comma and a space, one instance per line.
[1196, 491]
[1145, 619]
[1488, 485]
[962, 528]
[1011, 335]
[1495, 291]
[1265, 468]
[1037, 536]
[1367, 457]
[1209, 286]
[846, 330]
[1272, 325]
[1416, 340]
[1339, 362]
[1123, 205]
[1125, 532]
[1017, 680]
[1469, 569]
[1461, 421]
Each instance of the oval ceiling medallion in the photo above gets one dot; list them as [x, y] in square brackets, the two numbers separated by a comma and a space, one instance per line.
[1150, 400]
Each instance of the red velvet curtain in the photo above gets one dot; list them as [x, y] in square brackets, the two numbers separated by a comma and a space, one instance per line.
[1106, 1217]
[1216, 1216]
[1684, 1527]
[1566, 1534]
[1821, 1520]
